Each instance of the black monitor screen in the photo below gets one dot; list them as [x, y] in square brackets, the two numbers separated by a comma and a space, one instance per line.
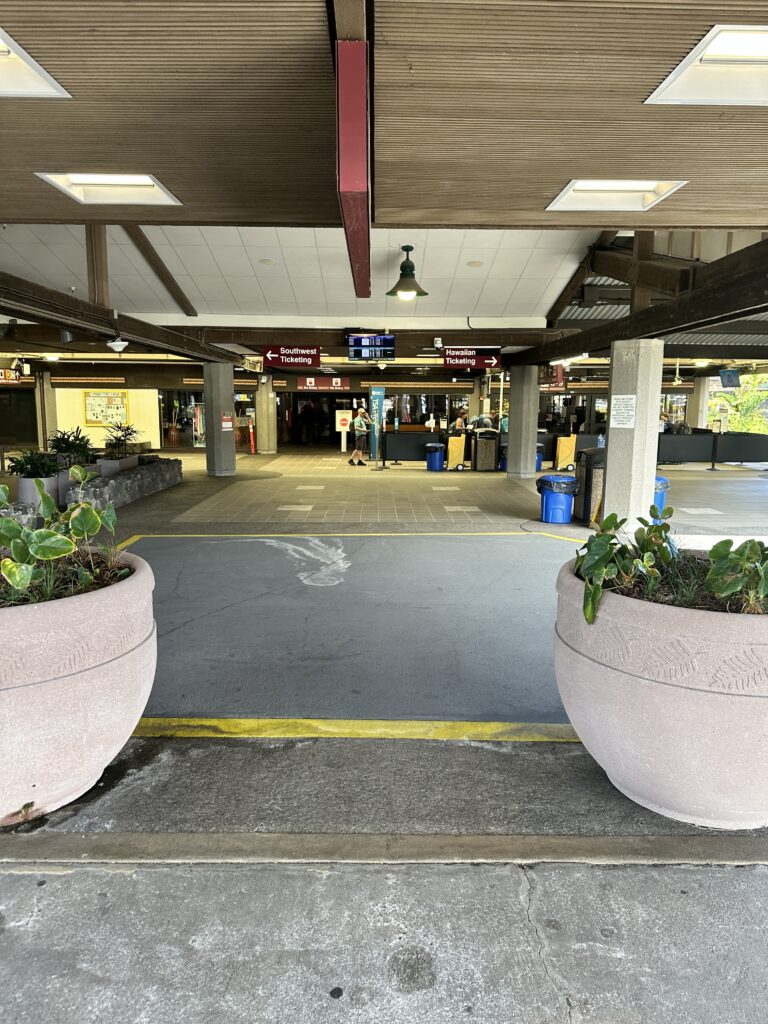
[371, 346]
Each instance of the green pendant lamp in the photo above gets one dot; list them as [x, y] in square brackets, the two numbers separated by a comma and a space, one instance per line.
[407, 287]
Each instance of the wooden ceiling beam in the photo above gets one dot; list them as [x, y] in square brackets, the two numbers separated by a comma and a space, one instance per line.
[353, 157]
[97, 262]
[662, 274]
[579, 276]
[161, 271]
[349, 19]
[28, 301]
[725, 299]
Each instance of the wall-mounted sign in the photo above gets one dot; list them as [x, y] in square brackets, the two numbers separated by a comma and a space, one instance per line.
[471, 358]
[623, 410]
[226, 421]
[292, 355]
[10, 376]
[551, 376]
[103, 408]
[323, 384]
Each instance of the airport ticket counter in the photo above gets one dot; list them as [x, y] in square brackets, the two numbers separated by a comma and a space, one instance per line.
[408, 444]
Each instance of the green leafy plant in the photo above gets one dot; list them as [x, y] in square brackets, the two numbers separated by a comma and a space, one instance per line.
[740, 573]
[650, 567]
[31, 464]
[120, 439]
[57, 559]
[72, 444]
[607, 560]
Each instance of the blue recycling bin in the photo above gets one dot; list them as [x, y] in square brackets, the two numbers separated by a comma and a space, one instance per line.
[557, 493]
[539, 457]
[435, 457]
[660, 494]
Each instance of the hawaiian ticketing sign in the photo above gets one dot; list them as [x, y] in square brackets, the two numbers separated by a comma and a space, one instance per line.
[471, 358]
[292, 356]
[323, 384]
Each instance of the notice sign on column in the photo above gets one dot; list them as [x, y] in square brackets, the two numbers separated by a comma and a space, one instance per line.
[623, 410]
[226, 422]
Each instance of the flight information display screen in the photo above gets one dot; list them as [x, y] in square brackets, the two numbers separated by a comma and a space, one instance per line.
[371, 346]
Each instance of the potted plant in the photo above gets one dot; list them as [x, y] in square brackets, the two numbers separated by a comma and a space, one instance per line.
[661, 658]
[30, 465]
[118, 449]
[79, 652]
[71, 447]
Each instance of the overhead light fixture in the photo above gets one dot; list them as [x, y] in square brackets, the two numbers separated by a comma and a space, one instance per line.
[701, 362]
[52, 357]
[569, 360]
[382, 366]
[120, 189]
[407, 287]
[117, 344]
[614, 194]
[729, 67]
[21, 77]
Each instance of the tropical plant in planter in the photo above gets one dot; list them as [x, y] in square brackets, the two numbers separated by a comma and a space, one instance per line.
[661, 657]
[118, 449]
[30, 465]
[79, 652]
[73, 447]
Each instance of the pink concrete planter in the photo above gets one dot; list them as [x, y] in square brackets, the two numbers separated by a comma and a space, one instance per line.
[75, 676]
[671, 702]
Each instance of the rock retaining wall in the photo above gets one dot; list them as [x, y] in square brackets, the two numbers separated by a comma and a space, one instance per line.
[132, 484]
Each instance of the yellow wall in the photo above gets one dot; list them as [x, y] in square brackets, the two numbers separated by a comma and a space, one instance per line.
[143, 413]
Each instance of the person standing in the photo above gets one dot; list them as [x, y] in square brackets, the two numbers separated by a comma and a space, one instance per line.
[361, 425]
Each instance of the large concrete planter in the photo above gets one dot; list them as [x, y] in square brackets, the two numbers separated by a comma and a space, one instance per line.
[28, 493]
[671, 702]
[111, 467]
[75, 676]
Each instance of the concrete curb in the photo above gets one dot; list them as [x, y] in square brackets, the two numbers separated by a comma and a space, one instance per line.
[277, 848]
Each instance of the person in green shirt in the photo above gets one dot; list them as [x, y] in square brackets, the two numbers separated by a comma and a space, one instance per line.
[361, 425]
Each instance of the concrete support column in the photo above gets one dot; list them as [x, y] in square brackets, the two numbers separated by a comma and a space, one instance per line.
[219, 396]
[474, 399]
[523, 420]
[633, 427]
[45, 407]
[698, 403]
[266, 418]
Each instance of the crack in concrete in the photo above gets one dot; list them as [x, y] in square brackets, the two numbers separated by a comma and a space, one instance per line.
[554, 982]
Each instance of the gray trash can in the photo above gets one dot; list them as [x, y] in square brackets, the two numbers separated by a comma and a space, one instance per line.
[485, 451]
[590, 471]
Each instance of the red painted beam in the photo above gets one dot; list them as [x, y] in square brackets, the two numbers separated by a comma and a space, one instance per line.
[353, 158]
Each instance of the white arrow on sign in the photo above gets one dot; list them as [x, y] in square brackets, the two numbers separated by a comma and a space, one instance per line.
[271, 355]
[492, 361]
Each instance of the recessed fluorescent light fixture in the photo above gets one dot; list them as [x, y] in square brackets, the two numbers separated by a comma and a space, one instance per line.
[21, 77]
[729, 67]
[121, 189]
[609, 194]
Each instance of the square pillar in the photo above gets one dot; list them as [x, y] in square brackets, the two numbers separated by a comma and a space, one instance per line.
[523, 422]
[219, 397]
[697, 406]
[266, 418]
[474, 399]
[45, 408]
[633, 428]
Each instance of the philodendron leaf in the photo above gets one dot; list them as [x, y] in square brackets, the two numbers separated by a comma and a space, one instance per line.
[109, 518]
[48, 545]
[725, 579]
[720, 550]
[47, 504]
[9, 530]
[19, 576]
[85, 522]
[77, 473]
[20, 551]
[4, 492]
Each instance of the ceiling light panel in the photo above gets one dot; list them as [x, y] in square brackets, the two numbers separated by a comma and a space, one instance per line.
[21, 77]
[729, 67]
[614, 194]
[120, 189]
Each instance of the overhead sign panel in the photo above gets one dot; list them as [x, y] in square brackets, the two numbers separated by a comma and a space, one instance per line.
[292, 356]
[471, 358]
[323, 384]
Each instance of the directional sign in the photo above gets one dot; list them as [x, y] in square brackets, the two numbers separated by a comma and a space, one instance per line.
[471, 358]
[323, 384]
[287, 356]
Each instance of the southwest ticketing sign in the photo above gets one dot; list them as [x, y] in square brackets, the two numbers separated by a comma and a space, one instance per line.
[291, 356]
[471, 358]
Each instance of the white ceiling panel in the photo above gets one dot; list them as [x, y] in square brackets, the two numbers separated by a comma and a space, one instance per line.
[221, 236]
[301, 262]
[259, 236]
[232, 260]
[198, 259]
[484, 257]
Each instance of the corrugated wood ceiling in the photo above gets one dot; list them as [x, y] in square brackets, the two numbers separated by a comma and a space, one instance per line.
[485, 109]
[230, 103]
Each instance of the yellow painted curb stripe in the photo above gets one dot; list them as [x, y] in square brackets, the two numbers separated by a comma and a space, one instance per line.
[310, 533]
[353, 728]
